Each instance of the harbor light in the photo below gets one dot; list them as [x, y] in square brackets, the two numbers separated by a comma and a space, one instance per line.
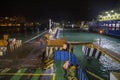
[100, 39]
[106, 12]
[101, 31]
[112, 11]
[108, 15]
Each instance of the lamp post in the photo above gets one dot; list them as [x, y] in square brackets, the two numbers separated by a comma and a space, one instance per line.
[63, 28]
[100, 32]
[49, 23]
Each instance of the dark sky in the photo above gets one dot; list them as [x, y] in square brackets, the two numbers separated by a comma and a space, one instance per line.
[56, 9]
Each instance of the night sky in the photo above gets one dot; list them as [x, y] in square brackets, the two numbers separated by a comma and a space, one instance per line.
[56, 9]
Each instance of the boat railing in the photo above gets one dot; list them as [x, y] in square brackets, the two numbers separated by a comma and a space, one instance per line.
[81, 74]
[64, 55]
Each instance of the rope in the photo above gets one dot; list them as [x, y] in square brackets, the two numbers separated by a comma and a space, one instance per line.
[93, 74]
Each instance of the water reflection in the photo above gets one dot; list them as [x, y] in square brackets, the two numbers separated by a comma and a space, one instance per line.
[109, 44]
[108, 63]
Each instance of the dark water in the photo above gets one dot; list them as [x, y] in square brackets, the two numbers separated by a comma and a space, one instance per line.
[104, 65]
[24, 35]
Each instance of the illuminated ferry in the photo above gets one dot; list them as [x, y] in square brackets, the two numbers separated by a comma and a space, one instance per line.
[108, 21]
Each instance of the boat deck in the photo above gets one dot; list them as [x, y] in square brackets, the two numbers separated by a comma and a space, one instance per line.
[54, 73]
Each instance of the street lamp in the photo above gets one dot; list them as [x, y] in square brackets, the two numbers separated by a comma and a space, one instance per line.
[49, 23]
[100, 32]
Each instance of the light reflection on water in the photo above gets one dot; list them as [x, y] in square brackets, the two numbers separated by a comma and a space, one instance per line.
[108, 63]
[109, 44]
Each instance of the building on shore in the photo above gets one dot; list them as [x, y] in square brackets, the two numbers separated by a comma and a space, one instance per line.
[15, 21]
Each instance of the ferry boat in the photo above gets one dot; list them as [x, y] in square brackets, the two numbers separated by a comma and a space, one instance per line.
[109, 21]
[110, 27]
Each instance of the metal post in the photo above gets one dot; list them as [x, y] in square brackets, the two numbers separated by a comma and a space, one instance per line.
[63, 28]
[100, 32]
[49, 23]
[100, 40]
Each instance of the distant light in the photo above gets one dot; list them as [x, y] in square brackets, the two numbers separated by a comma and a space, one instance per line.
[100, 15]
[100, 31]
[6, 17]
[115, 13]
[106, 12]
[108, 15]
[112, 10]
[72, 25]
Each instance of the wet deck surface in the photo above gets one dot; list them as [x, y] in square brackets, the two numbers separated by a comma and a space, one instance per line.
[25, 60]
[28, 55]
[26, 74]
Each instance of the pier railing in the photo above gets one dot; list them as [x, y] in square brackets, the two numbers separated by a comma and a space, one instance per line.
[111, 54]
